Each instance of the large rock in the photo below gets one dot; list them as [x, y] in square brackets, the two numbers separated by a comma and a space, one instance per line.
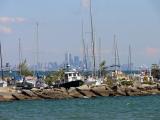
[116, 90]
[121, 91]
[84, 87]
[52, 94]
[8, 97]
[101, 90]
[18, 96]
[74, 93]
[6, 94]
[133, 91]
[86, 93]
[29, 93]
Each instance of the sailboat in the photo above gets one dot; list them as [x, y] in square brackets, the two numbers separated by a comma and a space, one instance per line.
[39, 82]
[2, 82]
[93, 79]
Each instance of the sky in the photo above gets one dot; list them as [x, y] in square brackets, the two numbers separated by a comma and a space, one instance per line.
[134, 22]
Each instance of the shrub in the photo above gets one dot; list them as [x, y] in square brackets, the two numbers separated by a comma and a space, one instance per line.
[127, 83]
[58, 75]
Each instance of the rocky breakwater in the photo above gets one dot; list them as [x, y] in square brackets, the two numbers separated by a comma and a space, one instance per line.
[8, 94]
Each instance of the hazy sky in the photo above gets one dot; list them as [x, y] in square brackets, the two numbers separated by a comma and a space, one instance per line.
[135, 22]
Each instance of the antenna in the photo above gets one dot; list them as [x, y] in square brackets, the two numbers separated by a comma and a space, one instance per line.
[92, 41]
[2, 74]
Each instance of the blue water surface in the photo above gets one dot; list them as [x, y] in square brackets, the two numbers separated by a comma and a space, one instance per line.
[101, 108]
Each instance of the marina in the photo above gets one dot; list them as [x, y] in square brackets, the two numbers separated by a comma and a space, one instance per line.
[79, 60]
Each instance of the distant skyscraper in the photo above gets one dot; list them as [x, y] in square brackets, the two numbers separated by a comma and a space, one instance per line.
[70, 59]
[66, 59]
[76, 61]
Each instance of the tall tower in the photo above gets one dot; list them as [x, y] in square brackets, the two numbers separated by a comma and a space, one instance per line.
[66, 59]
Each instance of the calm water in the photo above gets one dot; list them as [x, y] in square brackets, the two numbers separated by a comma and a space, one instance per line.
[103, 108]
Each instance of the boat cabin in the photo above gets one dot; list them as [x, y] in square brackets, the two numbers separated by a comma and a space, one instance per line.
[72, 76]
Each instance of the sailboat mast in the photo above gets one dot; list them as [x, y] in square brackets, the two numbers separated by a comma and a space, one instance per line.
[20, 56]
[118, 62]
[130, 60]
[100, 72]
[87, 58]
[2, 74]
[37, 46]
[84, 48]
[92, 40]
[115, 53]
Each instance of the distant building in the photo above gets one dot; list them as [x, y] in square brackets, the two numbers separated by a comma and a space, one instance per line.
[76, 61]
[66, 59]
[70, 59]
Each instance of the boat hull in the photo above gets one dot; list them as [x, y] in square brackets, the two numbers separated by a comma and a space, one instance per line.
[67, 85]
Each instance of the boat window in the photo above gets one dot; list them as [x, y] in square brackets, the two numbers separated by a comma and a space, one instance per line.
[74, 74]
[70, 74]
[66, 76]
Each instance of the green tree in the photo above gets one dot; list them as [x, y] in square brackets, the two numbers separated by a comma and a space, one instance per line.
[56, 76]
[24, 70]
[102, 68]
[155, 71]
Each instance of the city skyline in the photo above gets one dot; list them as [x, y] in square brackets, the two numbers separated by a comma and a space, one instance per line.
[135, 23]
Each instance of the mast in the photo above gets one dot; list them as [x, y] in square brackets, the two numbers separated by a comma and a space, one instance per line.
[130, 60]
[84, 48]
[20, 57]
[92, 41]
[116, 55]
[100, 72]
[2, 74]
[87, 57]
[37, 46]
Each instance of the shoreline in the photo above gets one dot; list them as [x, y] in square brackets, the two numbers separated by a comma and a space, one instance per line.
[10, 94]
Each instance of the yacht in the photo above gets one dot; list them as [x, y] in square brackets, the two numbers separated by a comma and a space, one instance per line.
[3, 83]
[72, 78]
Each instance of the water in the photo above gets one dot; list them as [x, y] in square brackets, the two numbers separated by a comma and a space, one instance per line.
[102, 108]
